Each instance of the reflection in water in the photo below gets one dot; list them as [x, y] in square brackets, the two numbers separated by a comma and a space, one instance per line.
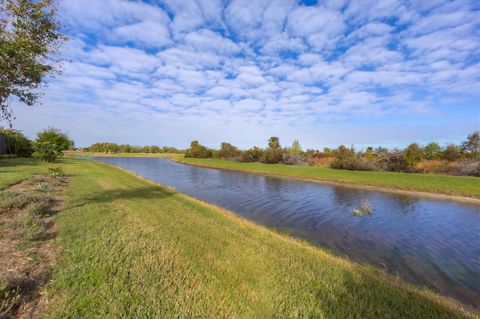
[427, 242]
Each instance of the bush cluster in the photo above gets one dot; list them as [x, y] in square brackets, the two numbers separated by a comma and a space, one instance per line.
[463, 159]
[48, 146]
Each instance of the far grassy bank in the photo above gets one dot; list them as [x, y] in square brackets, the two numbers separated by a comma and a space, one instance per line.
[134, 249]
[439, 184]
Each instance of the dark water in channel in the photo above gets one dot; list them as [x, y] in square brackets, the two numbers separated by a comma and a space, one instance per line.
[427, 242]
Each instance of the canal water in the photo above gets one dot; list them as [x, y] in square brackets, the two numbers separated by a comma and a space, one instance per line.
[427, 242]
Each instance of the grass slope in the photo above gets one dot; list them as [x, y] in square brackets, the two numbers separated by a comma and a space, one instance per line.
[441, 184]
[133, 249]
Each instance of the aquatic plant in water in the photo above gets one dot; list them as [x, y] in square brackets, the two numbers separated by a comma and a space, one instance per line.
[364, 209]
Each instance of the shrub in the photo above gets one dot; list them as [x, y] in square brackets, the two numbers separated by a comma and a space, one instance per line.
[272, 156]
[17, 143]
[355, 163]
[50, 145]
[452, 153]
[433, 151]
[293, 159]
[55, 171]
[251, 155]
[296, 148]
[412, 155]
[394, 162]
[227, 150]
[197, 150]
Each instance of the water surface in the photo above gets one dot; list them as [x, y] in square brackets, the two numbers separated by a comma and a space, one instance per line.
[427, 242]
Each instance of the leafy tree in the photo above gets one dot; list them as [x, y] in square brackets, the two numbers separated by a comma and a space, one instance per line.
[197, 150]
[296, 148]
[273, 154]
[471, 146]
[17, 143]
[227, 150]
[369, 154]
[413, 154]
[50, 144]
[433, 151]
[29, 35]
[452, 153]
[274, 142]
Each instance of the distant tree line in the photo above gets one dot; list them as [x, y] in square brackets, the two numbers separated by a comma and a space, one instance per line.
[462, 159]
[104, 147]
[48, 146]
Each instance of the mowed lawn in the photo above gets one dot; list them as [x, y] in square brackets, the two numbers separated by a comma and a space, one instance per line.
[441, 184]
[133, 249]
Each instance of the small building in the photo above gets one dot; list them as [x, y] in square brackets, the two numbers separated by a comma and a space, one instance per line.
[3, 144]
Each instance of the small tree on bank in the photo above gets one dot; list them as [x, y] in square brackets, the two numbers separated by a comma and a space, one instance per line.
[50, 144]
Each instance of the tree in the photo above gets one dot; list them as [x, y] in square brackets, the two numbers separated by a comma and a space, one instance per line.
[227, 150]
[50, 144]
[412, 155]
[17, 143]
[296, 148]
[29, 35]
[433, 151]
[471, 146]
[273, 154]
[274, 142]
[452, 153]
[198, 151]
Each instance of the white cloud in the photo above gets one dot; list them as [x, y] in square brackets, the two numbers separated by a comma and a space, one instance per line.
[146, 33]
[273, 62]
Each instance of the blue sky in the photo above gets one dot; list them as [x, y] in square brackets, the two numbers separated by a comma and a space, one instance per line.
[327, 72]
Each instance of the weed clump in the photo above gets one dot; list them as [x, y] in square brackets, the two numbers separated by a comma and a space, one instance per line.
[10, 200]
[9, 297]
[56, 172]
[42, 187]
[40, 208]
[31, 228]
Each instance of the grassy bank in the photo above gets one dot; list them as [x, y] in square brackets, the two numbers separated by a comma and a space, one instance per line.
[440, 184]
[133, 249]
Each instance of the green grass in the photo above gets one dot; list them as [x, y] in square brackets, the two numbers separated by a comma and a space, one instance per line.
[441, 184]
[133, 249]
